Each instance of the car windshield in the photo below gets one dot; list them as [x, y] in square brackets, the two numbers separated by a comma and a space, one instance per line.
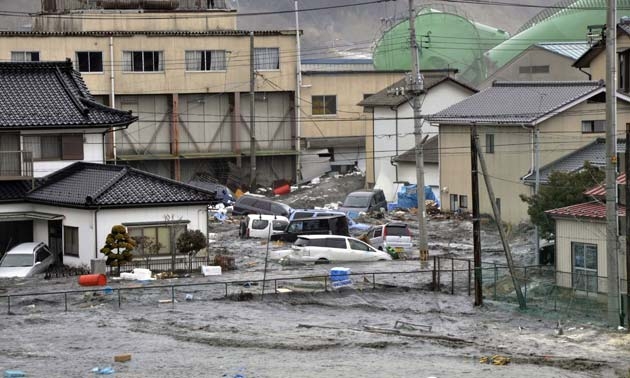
[17, 260]
[397, 230]
[356, 201]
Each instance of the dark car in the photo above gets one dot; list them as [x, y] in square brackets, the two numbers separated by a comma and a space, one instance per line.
[222, 193]
[248, 204]
[330, 225]
[364, 201]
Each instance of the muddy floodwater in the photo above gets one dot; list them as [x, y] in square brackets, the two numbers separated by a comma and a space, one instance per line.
[387, 324]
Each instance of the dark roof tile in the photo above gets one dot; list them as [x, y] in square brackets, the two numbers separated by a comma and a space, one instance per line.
[51, 95]
[98, 185]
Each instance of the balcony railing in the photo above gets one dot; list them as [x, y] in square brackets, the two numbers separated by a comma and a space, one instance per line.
[62, 6]
[16, 165]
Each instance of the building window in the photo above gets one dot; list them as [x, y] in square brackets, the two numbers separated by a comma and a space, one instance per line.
[533, 69]
[597, 126]
[324, 105]
[624, 71]
[584, 266]
[463, 202]
[143, 61]
[54, 147]
[205, 60]
[454, 200]
[367, 109]
[489, 143]
[25, 56]
[156, 239]
[71, 241]
[89, 61]
[267, 58]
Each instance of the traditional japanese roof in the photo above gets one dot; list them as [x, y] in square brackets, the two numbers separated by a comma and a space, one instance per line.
[89, 185]
[36, 95]
[430, 153]
[14, 191]
[600, 190]
[396, 94]
[594, 153]
[593, 210]
[520, 102]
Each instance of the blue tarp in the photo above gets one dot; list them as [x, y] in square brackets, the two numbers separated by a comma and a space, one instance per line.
[408, 196]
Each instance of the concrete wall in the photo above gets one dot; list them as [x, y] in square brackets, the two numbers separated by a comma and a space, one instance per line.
[126, 20]
[560, 68]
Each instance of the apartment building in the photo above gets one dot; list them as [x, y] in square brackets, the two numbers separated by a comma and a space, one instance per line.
[184, 69]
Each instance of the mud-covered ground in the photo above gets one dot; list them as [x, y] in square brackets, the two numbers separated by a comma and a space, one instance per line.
[386, 325]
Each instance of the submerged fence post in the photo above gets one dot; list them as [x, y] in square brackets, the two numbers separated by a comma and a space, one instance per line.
[468, 277]
[173, 296]
[496, 278]
[452, 276]
[9, 305]
[119, 298]
[65, 301]
[373, 281]
[434, 279]
[525, 293]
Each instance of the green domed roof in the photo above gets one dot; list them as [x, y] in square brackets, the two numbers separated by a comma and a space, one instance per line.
[446, 40]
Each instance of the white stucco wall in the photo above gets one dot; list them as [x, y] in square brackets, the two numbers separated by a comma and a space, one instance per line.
[92, 151]
[393, 135]
[92, 232]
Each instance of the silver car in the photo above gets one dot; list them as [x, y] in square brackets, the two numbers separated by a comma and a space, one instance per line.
[328, 248]
[26, 260]
[395, 235]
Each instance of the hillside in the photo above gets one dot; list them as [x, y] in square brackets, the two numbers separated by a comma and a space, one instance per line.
[353, 28]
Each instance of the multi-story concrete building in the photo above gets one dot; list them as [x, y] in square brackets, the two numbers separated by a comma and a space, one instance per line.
[184, 69]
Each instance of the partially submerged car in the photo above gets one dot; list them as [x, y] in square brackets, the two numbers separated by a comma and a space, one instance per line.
[328, 225]
[256, 204]
[26, 260]
[395, 235]
[327, 248]
[364, 201]
[261, 226]
[353, 226]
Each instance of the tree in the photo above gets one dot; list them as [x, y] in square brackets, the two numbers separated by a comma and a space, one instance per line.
[563, 189]
[148, 247]
[190, 242]
[118, 247]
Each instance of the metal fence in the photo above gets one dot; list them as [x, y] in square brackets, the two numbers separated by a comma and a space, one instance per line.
[167, 264]
[548, 293]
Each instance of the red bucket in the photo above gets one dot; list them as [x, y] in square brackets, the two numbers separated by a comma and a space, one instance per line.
[284, 189]
[93, 280]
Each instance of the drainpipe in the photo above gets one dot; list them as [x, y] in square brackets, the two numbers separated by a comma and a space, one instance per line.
[96, 232]
[537, 184]
[585, 73]
[396, 141]
[112, 95]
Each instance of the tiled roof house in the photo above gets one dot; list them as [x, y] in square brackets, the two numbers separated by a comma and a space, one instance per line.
[53, 185]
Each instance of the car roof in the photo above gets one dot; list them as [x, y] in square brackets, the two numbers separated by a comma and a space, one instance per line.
[334, 216]
[268, 216]
[324, 237]
[24, 248]
[361, 193]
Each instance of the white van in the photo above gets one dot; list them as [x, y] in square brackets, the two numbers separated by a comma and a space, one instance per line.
[262, 226]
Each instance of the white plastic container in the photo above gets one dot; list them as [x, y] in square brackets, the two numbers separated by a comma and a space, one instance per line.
[207, 270]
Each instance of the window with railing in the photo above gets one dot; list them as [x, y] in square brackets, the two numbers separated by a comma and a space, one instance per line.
[52, 147]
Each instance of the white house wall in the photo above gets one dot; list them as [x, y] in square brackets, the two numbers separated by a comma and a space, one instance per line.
[92, 150]
[387, 133]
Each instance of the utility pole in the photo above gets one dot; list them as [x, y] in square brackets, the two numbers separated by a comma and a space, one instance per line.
[298, 100]
[497, 219]
[252, 113]
[625, 204]
[475, 214]
[611, 166]
[537, 185]
[417, 88]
